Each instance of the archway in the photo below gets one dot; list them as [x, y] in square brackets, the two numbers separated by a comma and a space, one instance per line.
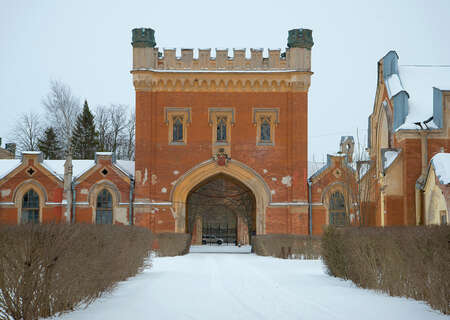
[221, 210]
[205, 170]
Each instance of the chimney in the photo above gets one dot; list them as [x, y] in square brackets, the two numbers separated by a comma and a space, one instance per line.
[68, 170]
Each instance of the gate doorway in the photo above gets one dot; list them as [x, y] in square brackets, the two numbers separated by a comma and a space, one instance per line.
[219, 234]
[221, 211]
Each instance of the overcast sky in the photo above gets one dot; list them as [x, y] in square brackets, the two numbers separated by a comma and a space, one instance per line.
[86, 44]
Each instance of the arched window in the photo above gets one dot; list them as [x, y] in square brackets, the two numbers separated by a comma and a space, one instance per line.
[30, 207]
[222, 129]
[177, 129]
[265, 130]
[104, 208]
[337, 209]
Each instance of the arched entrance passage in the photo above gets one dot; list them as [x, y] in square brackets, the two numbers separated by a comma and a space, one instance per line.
[205, 170]
[221, 210]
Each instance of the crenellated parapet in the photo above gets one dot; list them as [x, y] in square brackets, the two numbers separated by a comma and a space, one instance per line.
[165, 63]
[214, 59]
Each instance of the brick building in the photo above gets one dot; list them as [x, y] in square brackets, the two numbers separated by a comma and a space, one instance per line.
[203, 118]
[237, 123]
[410, 124]
[94, 191]
[221, 139]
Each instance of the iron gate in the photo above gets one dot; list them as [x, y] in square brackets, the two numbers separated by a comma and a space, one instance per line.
[215, 234]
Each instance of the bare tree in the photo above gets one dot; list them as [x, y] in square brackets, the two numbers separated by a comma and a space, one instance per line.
[62, 110]
[131, 132]
[27, 131]
[118, 121]
[116, 131]
[103, 125]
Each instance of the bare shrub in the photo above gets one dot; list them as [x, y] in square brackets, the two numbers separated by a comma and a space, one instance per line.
[401, 261]
[287, 246]
[50, 269]
[173, 244]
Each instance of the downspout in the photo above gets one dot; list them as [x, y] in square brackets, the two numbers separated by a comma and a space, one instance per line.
[310, 207]
[130, 210]
[74, 197]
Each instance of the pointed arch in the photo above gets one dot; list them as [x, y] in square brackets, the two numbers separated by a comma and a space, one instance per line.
[104, 207]
[235, 169]
[20, 192]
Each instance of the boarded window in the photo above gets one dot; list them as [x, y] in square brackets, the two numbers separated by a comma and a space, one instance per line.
[104, 208]
[30, 207]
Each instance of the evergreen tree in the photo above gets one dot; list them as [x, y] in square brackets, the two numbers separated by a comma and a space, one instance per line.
[84, 137]
[49, 144]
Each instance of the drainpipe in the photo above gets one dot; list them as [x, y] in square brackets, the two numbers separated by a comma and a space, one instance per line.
[310, 207]
[74, 197]
[130, 210]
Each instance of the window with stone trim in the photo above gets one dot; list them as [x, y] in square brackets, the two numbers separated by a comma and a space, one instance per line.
[265, 120]
[177, 119]
[221, 120]
[30, 207]
[104, 213]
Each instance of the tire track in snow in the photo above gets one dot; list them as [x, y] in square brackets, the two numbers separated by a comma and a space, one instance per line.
[217, 278]
[288, 295]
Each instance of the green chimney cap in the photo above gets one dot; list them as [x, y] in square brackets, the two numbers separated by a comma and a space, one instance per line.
[143, 38]
[300, 38]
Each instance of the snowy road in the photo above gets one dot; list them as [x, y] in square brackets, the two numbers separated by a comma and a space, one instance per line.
[245, 286]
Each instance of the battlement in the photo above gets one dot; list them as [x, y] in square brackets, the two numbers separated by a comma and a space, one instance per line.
[296, 57]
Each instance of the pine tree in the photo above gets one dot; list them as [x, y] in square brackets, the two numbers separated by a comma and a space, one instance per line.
[49, 144]
[84, 137]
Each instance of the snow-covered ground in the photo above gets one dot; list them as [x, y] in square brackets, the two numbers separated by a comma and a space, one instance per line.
[245, 286]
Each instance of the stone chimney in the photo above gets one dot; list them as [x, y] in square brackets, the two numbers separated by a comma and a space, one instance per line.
[145, 55]
[68, 171]
[300, 42]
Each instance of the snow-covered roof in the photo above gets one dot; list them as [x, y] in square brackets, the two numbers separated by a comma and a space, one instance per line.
[57, 167]
[388, 157]
[104, 153]
[79, 167]
[126, 166]
[364, 169]
[314, 166]
[8, 165]
[441, 164]
[343, 138]
[418, 82]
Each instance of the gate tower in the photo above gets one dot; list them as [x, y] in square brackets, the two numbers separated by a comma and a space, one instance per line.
[240, 113]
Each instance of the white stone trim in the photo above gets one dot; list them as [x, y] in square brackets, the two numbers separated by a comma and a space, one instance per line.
[7, 203]
[291, 204]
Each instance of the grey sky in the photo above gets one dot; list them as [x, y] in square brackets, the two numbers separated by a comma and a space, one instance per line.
[86, 44]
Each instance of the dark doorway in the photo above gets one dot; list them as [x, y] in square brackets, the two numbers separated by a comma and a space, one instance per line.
[221, 211]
